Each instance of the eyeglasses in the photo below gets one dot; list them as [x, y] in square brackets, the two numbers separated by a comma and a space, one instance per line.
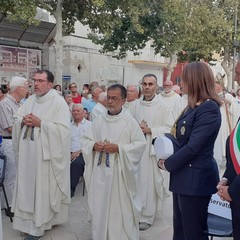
[39, 80]
[114, 98]
[73, 86]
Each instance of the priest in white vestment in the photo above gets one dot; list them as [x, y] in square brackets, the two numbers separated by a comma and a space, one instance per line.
[41, 138]
[180, 106]
[168, 95]
[100, 107]
[112, 150]
[132, 95]
[226, 125]
[1, 235]
[155, 118]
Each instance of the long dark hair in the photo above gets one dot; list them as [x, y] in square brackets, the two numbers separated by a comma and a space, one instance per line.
[199, 79]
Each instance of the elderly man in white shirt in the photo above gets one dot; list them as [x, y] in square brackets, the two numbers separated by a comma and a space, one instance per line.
[8, 107]
[78, 127]
[100, 107]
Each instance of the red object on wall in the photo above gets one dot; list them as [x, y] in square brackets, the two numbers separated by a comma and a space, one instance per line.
[175, 77]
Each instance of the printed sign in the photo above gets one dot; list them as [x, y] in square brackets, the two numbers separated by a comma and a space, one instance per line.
[21, 62]
[219, 207]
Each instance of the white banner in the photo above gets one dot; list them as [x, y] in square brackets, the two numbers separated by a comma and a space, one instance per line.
[219, 207]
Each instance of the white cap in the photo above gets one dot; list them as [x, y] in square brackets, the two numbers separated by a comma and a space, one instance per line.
[163, 147]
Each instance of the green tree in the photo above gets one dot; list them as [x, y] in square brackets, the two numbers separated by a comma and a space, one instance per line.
[170, 30]
[66, 13]
[17, 10]
[172, 25]
[101, 15]
[229, 8]
[186, 30]
[183, 30]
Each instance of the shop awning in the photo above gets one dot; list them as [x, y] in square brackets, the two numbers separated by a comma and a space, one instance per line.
[15, 32]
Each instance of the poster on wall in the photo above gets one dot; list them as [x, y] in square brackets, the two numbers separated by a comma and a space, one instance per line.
[34, 63]
[18, 62]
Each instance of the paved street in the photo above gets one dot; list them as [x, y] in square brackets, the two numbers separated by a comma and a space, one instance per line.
[79, 226]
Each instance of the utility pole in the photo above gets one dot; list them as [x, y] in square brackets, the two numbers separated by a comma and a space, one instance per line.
[235, 43]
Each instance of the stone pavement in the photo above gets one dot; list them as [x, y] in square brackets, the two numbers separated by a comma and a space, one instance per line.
[79, 226]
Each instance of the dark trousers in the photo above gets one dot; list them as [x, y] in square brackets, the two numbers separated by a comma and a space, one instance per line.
[235, 207]
[76, 171]
[190, 217]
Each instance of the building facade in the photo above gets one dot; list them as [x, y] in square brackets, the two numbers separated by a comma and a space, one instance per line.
[83, 63]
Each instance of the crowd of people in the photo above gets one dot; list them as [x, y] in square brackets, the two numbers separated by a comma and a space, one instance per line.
[104, 136]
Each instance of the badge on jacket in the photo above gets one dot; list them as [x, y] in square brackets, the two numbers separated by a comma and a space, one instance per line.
[182, 130]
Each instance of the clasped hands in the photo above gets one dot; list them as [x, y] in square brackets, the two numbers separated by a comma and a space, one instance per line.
[31, 120]
[105, 147]
[221, 187]
[144, 126]
[223, 190]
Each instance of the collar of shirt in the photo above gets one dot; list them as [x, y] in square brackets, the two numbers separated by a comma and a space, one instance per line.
[149, 99]
[82, 122]
[12, 99]
[114, 114]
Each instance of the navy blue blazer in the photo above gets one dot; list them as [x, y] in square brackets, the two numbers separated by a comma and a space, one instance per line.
[193, 170]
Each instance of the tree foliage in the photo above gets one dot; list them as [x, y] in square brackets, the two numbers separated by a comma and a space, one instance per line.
[101, 15]
[25, 10]
[198, 27]
[22, 11]
[120, 25]
[212, 30]
[192, 29]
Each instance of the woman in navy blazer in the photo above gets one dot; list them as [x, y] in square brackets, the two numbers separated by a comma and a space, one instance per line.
[193, 170]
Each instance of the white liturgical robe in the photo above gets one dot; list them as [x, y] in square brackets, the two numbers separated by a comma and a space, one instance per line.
[229, 119]
[159, 117]
[112, 180]
[97, 110]
[169, 98]
[1, 236]
[42, 190]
